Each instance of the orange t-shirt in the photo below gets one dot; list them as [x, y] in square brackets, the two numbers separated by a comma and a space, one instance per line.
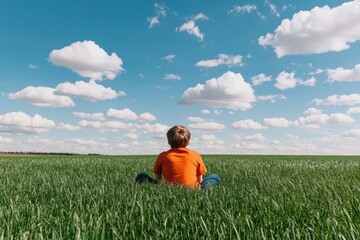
[180, 166]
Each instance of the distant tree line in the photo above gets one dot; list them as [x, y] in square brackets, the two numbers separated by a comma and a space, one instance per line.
[46, 153]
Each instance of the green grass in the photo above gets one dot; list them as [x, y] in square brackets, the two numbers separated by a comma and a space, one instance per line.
[261, 197]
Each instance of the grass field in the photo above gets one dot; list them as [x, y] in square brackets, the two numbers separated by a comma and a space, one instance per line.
[261, 197]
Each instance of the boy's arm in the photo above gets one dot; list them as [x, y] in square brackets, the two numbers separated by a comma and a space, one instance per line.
[199, 179]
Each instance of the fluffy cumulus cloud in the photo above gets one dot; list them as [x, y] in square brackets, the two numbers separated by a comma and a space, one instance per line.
[319, 30]
[128, 115]
[91, 116]
[122, 114]
[207, 126]
[68, 127]
[352, 133]
[272, 98]
[87, 90]
[42, 97]
[157, 129]
[313, 118]
[344, 75]
[353, 110]
[21, 123]
[88, 60]
[228, 91]
[146, 117]
[191, 28]
[260, 79]
[106, 126]
[247, 124]
[338, 100]
[6, 140]
[223, 59]
[286, 80]
[132, 136]
[196, 119]
[276, 122]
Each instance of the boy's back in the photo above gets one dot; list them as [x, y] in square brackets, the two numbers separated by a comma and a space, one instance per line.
[180, 166]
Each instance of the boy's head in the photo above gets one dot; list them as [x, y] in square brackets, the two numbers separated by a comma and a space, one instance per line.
[178, 136]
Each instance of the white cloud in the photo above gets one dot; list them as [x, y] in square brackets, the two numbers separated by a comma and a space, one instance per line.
[200, 16]
[352, 133]
[153, 21]
[309, 82]
[196, 119]
[87, 90]
[68, 127]
[344, 75]
[223, 59]
[131, 136]
[159, 130]
[271, 98]
[32, 66]
[260, 78]
[250, 146]
[272, 7]
[320, 30]
[42, 97]
[207, 126]
[205, 111]
[113, 126]
[286, 80]
[246, 8]
[340, 118]
[353, 110]
[217, 112]
[123, 145]
[228, 91]
[146, 117]
[161, 11]
[247, 124]
[338, 100]
[6, 140]
[171, 77]
[277, 122]
[128, 115]
[314, 118]
[88, 60]
[316, 72]
[21, 123]
[91, 116]
[256, 137]
[208, 143]
[123, 114]
[191, 28]
[292, 137]
[169, 58]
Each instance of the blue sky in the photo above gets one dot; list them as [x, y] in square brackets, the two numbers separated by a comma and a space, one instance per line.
[246, 77]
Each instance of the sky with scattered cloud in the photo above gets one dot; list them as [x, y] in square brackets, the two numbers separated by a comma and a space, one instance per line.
[256, 77]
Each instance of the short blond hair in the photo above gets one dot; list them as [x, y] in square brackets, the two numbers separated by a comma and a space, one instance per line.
[178, 136]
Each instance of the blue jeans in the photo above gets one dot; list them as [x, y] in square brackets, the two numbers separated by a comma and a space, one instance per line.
[211, 180]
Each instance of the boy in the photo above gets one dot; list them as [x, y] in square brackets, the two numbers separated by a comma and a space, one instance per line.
[180, 165]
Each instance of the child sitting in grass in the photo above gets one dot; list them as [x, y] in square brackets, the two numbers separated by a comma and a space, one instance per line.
[180, 165]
